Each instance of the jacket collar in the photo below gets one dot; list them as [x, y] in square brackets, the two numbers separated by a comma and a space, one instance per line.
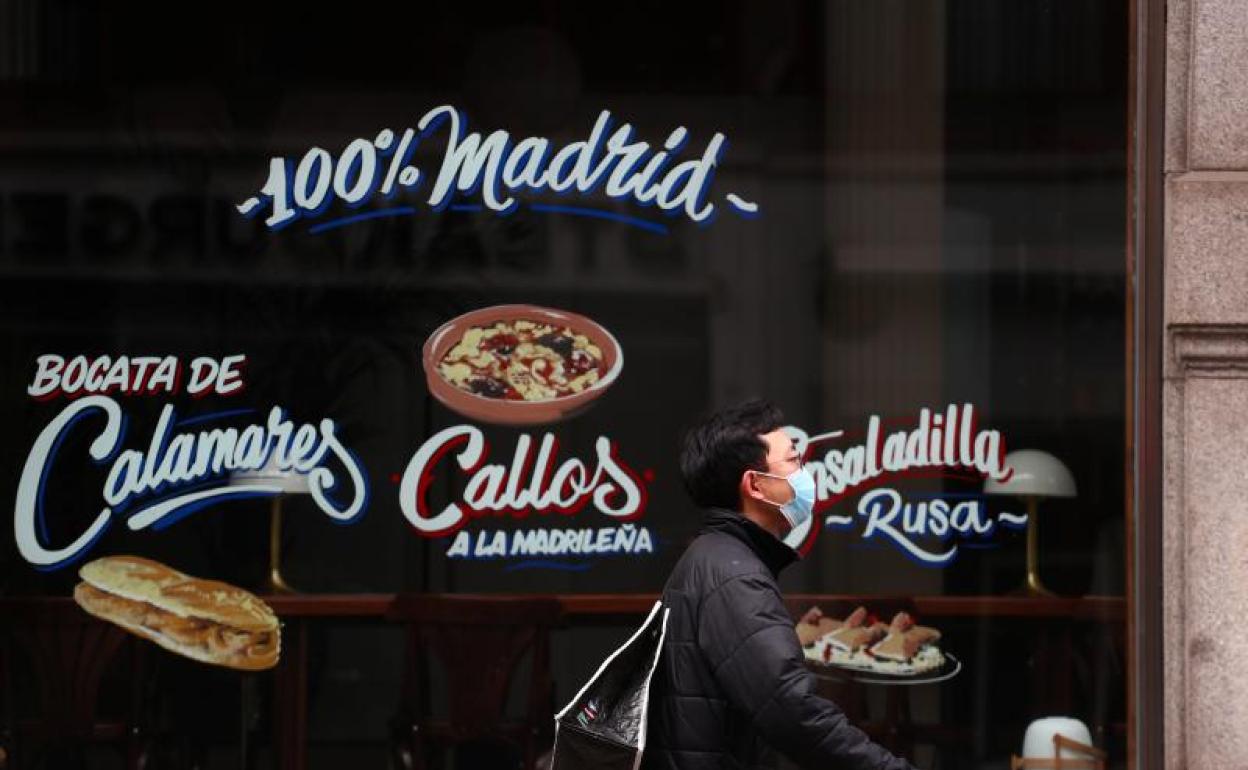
[773, 552]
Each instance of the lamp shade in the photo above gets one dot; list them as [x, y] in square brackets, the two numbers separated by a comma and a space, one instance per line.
[1036, 473]
[1038, 741]
[288, 481]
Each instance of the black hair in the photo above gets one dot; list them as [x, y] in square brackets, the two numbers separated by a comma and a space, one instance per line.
[722, 447]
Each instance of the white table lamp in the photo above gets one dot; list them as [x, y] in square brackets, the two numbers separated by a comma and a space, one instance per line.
[1037, 474]
[290, 482]
[1058, 743]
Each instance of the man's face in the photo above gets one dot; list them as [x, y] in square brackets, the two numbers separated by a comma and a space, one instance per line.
[782, 459]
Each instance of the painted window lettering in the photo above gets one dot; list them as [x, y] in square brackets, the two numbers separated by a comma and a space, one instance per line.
[500, 170]
[948, 444]
[185, 465]
[534, 481]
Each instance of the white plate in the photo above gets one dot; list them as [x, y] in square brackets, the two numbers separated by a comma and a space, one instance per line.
[946, 672]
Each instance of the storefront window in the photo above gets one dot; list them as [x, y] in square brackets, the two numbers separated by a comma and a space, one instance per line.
[476, 272]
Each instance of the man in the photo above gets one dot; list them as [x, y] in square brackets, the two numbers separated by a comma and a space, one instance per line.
[732, 684]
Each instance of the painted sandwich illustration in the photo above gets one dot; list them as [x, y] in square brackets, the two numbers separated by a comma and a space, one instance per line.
[205, 620]
[862, 643]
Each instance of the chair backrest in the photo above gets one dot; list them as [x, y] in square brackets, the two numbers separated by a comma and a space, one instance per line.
[478, 642]
[61, 656]
[850, 695]
[67, 653]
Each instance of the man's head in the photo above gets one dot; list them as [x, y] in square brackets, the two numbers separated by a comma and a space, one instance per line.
[739, 458]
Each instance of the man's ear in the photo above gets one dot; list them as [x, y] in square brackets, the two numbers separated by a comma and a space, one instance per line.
[749, 486]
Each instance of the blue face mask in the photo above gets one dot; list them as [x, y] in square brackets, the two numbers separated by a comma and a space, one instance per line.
[799, 509]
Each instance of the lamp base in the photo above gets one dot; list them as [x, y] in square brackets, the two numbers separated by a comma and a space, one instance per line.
[276, 584]
[1034, 588]
[1031, 585]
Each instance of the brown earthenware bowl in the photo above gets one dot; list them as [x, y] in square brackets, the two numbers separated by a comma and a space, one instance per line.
[507, 412]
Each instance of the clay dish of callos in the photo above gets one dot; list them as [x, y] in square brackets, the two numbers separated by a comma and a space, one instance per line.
[520, 364]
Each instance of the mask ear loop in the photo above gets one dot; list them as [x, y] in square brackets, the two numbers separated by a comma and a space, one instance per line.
[778, 506]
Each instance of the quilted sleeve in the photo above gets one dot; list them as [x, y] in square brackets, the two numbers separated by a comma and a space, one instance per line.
[747, 638]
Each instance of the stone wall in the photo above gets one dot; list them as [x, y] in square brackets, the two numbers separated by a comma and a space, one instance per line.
[1206, 384]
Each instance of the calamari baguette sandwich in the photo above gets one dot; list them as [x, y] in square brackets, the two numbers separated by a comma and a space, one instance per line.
[205, 620]
[862, 643]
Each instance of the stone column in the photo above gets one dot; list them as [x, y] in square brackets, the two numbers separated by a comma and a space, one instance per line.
[1206, 384]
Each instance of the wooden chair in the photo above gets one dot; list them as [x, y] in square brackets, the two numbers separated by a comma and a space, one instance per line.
[478, 643]
[63, 654]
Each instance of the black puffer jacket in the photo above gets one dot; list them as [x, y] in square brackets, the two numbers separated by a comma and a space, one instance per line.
[731, 683]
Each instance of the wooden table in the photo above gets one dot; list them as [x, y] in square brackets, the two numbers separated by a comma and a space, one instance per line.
[618, 609]
[297, 611]
[597, 607]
